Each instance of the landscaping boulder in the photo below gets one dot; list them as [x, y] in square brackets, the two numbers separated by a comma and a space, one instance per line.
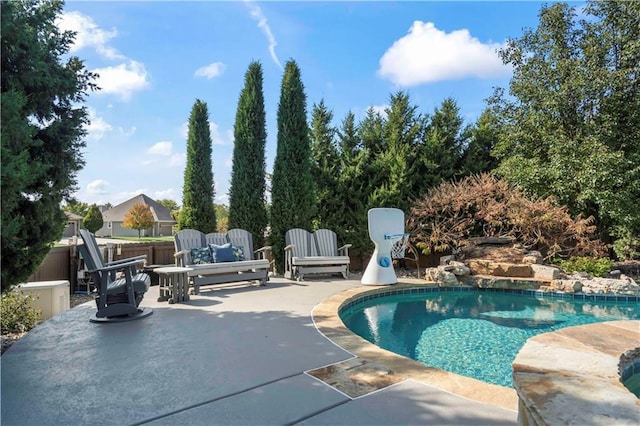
[544, 272]
[442, 277]
[501, 269]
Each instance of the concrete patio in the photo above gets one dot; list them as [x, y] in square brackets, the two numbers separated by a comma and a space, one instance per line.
[232, 355]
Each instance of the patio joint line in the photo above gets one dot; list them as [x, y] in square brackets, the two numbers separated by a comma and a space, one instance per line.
[315, 413]
[190, 407]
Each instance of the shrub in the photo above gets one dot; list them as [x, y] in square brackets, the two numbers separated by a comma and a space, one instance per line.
[17, 314]
[481, 206]
[597, 267]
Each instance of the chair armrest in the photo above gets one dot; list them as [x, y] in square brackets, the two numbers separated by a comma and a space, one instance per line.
[119, 266]
[119, 261]
[263, 252]
[344, 249]
[289, 247]
[181, 253]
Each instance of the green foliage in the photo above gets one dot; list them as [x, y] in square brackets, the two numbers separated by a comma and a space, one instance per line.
[198, 193]
[138, 218]
[570, 124]
[173, 207]
[292, 193]
[325, 168]
[42, 132]
[598, 267]
[93, 219]
[627, 246]
[247, 208]
[222, 217]
[76, 207]
[17, 314]
[478, 206]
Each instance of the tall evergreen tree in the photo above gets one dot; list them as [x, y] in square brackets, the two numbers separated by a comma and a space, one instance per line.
[197, 194]
[398, 158]
[353, 188]
[477, 155]
[442, 146]
[247, 209]
[326, 167]
[292, 191]
[43, 124]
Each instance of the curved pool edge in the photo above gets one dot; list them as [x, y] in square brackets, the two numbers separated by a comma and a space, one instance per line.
[327, 320]
[575, 373]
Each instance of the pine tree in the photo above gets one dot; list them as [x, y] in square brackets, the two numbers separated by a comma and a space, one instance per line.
[247, 209]
[326, 167]
[93, 220]
[43, 124]
[197, 195]
[292, 192]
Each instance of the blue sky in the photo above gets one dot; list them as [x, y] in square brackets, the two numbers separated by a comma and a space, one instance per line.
[156, 58]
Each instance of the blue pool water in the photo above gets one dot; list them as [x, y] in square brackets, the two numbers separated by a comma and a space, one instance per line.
[472, 333]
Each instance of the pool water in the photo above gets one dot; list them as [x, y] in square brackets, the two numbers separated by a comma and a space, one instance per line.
[472, 333]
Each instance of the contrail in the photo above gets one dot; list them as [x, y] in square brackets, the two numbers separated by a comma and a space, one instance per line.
[257, 14]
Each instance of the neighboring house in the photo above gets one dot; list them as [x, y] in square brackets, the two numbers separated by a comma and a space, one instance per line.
[113, 218]
[74, 222]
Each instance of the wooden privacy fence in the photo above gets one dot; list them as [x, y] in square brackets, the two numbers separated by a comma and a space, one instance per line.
[62, 263]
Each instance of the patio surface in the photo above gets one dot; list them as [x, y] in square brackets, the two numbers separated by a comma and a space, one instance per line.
[232, 355]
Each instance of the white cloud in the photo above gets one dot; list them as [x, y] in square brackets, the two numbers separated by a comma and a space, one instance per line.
[428, 54]
[210, 71]
[256, 13]
[218, 137]
[228, 162]
[161, 148]
[122, 80]
[88, 34]
[97, 127]
[98, 187]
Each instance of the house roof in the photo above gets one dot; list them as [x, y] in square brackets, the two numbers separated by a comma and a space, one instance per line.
[73, 216]
[117, 213]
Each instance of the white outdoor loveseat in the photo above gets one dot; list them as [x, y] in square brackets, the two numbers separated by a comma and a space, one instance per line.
[314, 253]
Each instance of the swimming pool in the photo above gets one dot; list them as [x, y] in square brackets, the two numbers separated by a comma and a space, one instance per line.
[474, 333]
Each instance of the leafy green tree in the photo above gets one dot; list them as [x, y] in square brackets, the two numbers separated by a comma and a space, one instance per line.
[222, 217]
[198, 192]
[325, 167]
[173, 207]
[247, 207]
[293, 200]
[76, 207]
[571, 123]
[93, 219]
[43, 124]
[139, 217]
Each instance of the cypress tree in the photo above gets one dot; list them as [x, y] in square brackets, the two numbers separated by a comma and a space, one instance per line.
[43, 125]
[197, 194]
[247, 209]
[292, 192]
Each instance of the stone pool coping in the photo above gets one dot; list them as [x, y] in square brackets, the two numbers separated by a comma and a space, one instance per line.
[574, 374]
[327, 319]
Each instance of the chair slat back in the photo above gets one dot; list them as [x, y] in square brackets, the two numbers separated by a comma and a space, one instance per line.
[93, 256]
[244, 239]
[217, 238]
[327, 242]
[187, 239]
[302, 240]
